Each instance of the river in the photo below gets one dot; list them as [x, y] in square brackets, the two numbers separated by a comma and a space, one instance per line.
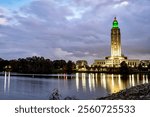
[79, 85]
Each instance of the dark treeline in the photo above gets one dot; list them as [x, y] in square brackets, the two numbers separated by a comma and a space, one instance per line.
[38, 65]
[125, 69]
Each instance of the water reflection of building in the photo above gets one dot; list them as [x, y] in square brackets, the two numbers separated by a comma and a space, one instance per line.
[111, 82]
[114, 83]
[7, 78]
[92, 81]
[85, 81]
[7, 81]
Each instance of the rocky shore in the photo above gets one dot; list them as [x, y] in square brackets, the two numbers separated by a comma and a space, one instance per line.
[139, 92]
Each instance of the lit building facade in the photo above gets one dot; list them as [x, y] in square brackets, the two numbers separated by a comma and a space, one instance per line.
[81, 65]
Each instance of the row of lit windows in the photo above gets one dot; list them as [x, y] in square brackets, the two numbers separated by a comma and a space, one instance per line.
[100, 63]
[132, 63]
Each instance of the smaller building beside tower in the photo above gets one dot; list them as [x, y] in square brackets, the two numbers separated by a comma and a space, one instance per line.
[81, 65]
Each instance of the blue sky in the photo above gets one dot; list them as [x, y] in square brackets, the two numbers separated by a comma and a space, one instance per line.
[73, 29]
[6, 2]
[13, 4]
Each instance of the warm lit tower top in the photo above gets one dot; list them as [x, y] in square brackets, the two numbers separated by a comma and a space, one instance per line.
[115, 39]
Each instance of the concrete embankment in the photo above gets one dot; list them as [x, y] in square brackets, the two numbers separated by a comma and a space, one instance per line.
[139, 92]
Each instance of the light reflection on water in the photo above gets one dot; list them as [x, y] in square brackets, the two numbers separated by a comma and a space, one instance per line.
[111, 82]
[80, 85]
[7, 82]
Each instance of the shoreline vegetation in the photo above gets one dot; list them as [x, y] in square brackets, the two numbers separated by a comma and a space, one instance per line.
[37, 65]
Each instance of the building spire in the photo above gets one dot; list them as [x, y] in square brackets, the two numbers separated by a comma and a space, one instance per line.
[115, 23]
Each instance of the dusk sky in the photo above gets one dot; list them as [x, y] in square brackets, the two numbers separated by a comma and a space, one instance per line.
[73, 29]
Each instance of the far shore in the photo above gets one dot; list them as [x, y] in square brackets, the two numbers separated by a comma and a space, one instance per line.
[37, 75]
[60, 74]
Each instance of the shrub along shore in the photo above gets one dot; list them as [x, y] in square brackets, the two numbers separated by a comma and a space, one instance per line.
[139, 92]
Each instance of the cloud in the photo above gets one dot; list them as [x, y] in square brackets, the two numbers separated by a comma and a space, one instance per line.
[61, 53]
[122, 4]
[3, 21]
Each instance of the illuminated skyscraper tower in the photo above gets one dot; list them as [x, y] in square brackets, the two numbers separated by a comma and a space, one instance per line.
[115, 40]
[116, 56]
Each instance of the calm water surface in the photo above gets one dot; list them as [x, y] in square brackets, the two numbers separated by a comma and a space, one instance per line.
[79, 85]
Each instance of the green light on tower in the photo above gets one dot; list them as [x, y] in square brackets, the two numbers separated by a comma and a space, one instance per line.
[115, 23]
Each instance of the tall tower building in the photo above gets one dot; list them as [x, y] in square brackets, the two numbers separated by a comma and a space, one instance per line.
[116, 57]
[115, 40]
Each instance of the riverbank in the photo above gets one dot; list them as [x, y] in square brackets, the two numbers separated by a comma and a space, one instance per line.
[139, 92]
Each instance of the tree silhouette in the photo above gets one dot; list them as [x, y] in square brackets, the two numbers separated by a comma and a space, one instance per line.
[124, 69]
